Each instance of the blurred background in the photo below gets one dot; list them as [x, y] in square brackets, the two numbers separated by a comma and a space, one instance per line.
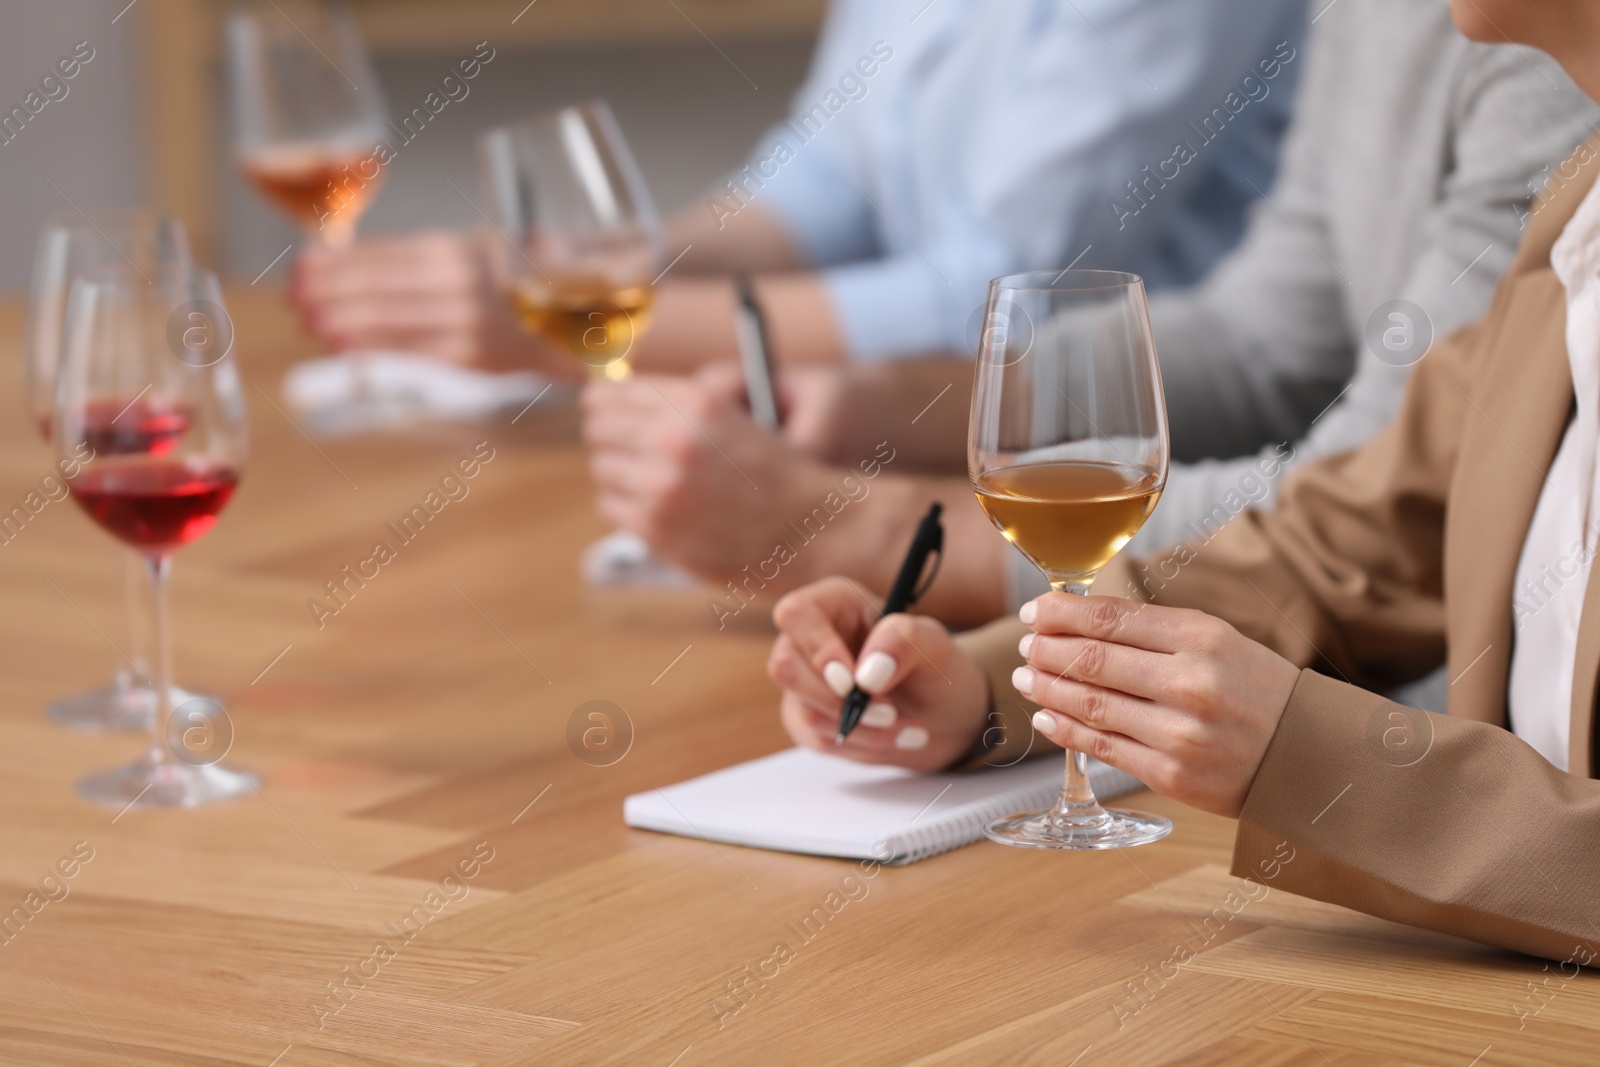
[693, 82]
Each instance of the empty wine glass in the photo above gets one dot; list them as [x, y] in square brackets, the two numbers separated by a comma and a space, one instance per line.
[167, 339]
[1068, 455]
[308, 112]
[579, 242]
[70, 246]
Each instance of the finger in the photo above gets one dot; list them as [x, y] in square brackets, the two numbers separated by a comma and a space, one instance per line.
[811, 726]
[1102, 663]
[724, 381]
[1095, 707]
[825, 619]
[620, 474]
[390, 315]
[897, 646]
[790, 669]
[1118, 750]
[1109, 618]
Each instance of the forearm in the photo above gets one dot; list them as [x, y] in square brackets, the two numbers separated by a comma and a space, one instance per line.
[692, 323]
[751, 240]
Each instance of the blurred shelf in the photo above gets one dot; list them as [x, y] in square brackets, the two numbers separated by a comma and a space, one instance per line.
[426, 25]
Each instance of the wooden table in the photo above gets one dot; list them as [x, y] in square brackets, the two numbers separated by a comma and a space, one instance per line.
[431, 715]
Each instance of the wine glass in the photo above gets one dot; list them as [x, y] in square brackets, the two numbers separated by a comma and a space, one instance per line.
[580, 240]
[70, 246]
[309, 113]
[1068, 456]
[165, 338]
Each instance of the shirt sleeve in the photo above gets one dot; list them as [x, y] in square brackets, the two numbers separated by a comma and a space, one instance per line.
[1099, 90]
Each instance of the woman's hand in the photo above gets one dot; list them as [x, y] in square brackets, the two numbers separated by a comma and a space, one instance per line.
[929, 697]
[1177, 698]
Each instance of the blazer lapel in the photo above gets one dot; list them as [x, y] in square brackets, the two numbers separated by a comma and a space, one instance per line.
[1514, 421]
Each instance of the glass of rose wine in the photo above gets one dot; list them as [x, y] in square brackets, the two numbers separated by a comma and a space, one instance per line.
[69, 247]
[579, 240]
[309, 113]
[165, 338]
[1068, 456]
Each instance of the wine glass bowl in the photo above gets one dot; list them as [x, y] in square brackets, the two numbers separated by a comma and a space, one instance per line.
[579, 242]
[309, 113]
[161, 339]
[1068, 454]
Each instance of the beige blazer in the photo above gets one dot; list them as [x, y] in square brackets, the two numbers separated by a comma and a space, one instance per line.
[1375, 567]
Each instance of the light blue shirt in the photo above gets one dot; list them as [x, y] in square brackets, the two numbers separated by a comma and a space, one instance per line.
[936, 145]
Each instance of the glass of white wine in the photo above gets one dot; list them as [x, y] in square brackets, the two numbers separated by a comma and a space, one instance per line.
[579, 242]
[1068, 456]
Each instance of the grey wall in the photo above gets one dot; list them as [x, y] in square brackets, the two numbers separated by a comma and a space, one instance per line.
[689, 115]
[88, 142]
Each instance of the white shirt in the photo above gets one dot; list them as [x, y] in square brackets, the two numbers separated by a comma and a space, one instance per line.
[1553, 571]
[937, 145]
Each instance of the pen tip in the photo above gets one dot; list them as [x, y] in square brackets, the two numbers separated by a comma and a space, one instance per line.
[838, 739]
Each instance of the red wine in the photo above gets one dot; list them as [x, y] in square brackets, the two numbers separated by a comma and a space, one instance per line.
[155, 503]
[148, 425]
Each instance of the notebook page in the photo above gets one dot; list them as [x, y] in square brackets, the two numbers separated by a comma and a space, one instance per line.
[804, 801]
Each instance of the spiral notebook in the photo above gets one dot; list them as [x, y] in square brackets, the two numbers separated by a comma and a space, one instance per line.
[804, 801]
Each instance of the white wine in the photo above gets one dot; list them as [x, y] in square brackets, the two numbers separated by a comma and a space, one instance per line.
[594, 320]
[1069, 516]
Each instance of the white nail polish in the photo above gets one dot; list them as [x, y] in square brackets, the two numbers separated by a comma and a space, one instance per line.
[837, 675]
[1025, 644]
[1022, 679]
[1029, 612]
[879, 714]
[911, 739]
[875, 671]
[1043, 721]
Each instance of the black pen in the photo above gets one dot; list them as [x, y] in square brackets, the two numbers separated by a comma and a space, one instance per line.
[755, 356]
[908, 587]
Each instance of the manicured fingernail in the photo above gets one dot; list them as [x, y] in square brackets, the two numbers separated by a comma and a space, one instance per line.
[837, 675]
[1029, 612]
[1025, 644]
[911, 739]
[1022, 679]
[1044, 722]
[879, 715]
[875, 671]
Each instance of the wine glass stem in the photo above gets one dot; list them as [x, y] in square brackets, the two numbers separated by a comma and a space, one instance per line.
[157, 566]
[1077, 805]
[135, 671]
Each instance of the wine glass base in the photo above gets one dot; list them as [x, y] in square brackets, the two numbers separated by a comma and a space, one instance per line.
[1111, 828]
[114, 709]
[144, 784]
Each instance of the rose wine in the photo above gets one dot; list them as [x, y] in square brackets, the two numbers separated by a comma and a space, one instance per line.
[145, 425]
[154, 503]
[1069, 517]
[321, 192]
[594, 320]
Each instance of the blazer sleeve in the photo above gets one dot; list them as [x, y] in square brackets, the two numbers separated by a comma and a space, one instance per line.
[1439, 822]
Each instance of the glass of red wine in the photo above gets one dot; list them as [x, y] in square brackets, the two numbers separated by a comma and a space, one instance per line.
[70, 246]
[160, 345]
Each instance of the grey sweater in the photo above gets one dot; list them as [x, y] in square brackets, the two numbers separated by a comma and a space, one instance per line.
[1407, 175]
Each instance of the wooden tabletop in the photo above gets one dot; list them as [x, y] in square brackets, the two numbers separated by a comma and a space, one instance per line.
[428, 842]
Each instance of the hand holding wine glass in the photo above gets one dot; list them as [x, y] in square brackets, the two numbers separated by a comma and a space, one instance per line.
[1068, 456]
[579, 242]
[164, 339]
